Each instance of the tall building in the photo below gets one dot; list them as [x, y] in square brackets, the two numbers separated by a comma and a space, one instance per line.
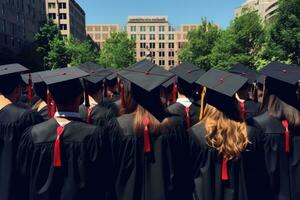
[265, 8]
[19, 22]
[155, 37]
[69, 16]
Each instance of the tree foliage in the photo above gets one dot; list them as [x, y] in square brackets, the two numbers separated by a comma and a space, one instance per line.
[58, 56]
[118, 51]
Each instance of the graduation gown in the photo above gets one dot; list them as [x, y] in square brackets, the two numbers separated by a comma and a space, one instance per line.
[162, 174]
[179, 109]
[44, 113]
[252, 109]
[86, 162]
[98, 116]
[283, 168]
[113, 105]
[247, 176]
[13, 121]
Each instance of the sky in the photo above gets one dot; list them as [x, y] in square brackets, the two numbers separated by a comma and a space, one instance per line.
[178, 11]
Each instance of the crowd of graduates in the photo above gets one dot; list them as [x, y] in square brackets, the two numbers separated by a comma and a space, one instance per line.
[145, 133]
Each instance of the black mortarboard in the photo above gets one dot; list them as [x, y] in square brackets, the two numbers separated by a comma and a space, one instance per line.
[12, 69]
[260, 79]
[96, 73]
[282, 80]
[187, 72]
[220, 88]
[112, 76]
[244, 71]
[146, 79]
[35, 77]
[169, 83]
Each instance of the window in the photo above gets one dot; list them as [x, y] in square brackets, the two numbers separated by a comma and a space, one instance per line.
[171, 29]
[142, 54]
[89, 28]
[52, 16]
[143, 45]
[152, 36]
[161, 36]
[133, 37]
[152, 45]
[161, 45]
[171, 45]
[171, 36]
[62, 5]
[133, 28]
[62, 16]
[143, 28]
[161, 28]
[171, 62]
[143, 37]
[51, 5]
[152, 28]
[153, 54]
[105, 36]
[171, 54]
[161, 54]
[161, 62]
[63, 26]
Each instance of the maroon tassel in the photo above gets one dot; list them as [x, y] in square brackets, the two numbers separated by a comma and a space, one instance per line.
[89, 113]
[188, 117]
[57, 152]
[147, 147]
[49, 104]
[53, 108]
[285, 123]
[243, 109]
[29, 88]
[224, 175]
[174, 91]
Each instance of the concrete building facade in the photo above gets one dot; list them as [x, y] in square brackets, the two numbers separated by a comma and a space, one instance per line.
[69, 16]
[154, 36]
[19, 22]
[265, 8]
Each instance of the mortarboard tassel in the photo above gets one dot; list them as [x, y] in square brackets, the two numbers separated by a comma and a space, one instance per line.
[49, 104]
[53, 108]
[89, 115]
[147, 147]
[203, 93]
[224, 175]
[188, 117]
[174, 91]
[122, 97]
[57, 153]
[29, 88]
[243, 109]
[285, 124]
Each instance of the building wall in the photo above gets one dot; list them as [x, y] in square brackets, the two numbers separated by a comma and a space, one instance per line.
[19, 22]
[69, 16]
[153, 35]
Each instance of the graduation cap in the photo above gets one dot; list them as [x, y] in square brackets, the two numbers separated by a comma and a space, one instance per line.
[244, 71]
[146, 79]
[167, 86]
[12, 69]
[220, 88]
[282, 80]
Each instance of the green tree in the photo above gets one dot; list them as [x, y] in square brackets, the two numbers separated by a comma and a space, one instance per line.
[58, 56]
[240, 43]
[283, 36]
[80, 52]
[200, 43]
[43, 38]
[118, 51]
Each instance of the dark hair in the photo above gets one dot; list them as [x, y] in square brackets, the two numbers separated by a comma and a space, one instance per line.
[65, 92]
[112, 83]
[40, 90]
[93, 88]
[9, 83]
[130, 104]
[185, 88]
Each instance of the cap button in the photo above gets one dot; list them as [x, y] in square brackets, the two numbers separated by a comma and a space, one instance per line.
[189, 71]
[64, 73]
[146, 72]
[221, 80]
[284, 71]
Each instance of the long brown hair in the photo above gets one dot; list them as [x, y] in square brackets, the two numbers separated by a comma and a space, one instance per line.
[228, 136]
[130, 104]
[155, 126]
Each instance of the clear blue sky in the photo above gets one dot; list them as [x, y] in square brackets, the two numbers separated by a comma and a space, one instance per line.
[179, 11]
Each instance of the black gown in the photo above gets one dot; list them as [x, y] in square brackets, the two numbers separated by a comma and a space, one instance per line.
[86, 171]
[283, 168]
[13, 121]
[247, 175]
[113, 105]
[252, 109]
[162, 174]
[44, 113]
[179, 109]
[99, 114]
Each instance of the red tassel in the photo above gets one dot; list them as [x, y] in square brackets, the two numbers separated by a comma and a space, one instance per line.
[49, 104]
[122, 99]
[174, 91]
[88, 117]
[285, 123]
[57, 156]
[53, 108]
[29, 88]
[188, 117]
[243, 109]
[224, 175]
[147, 147]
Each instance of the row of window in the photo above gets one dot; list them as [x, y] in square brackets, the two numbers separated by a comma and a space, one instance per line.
[150, 28]
[61, 16]
[161, 54]
[60, 5]
[152, 36]
[152, 45]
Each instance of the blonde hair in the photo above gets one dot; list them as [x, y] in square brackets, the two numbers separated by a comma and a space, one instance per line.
[229, 137]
